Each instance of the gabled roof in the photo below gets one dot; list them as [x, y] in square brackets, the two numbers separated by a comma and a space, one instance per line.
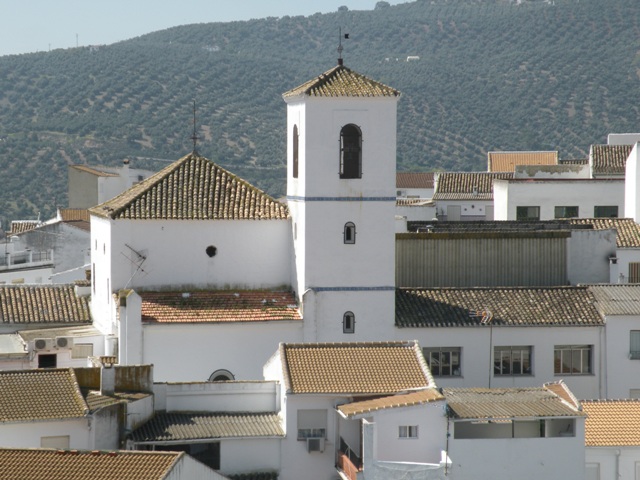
[507, 161]
[507, 403]
[414, 179]
[218, 306]
[380, 368]
[467, 185]
[21, 226]
[177, 426]
[628, 231]
[77, 217]
[393, 401]
[193, 188]
[617, 299]
[46, 394]
[50, 464]
[341, 81]
[612, 423]
[33, 304]
[609, 159]
[508, 306]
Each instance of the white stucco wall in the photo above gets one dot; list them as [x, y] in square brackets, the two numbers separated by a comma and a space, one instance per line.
[244, 455]
[588, 253]
[623, 373]
[613, 463]
[28, 434]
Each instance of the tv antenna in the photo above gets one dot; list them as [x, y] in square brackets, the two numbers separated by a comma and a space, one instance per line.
[137, 259]
[340, 48]
[194, 137]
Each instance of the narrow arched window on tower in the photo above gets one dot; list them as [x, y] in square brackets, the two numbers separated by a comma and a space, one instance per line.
[350, 233]
[350, 152]
[348, 322]
[295, 151]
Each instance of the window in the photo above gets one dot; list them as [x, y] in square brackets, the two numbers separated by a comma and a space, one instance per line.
[350, 152]
[295, 151]
[82, 350]
[512, 360]
[221, 375]
[634, 347]
[408, 431]
[443, 361]
[47, 360]
[634, 272]
[566, 212]
[312, 424]
[605, 211]
[348, 323]
[527, 214]
[349, 233]
[572, 359]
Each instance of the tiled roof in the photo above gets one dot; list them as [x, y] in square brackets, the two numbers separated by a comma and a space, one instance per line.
[218, 306]
[628, 230]
[29, 304]
[46, 394]
[21, 226]
[193, 188]
[354, 368]
[394, 401]
[414, 180]
[173, 427]
[49, 464]
[612, 423]
[617, 299]
[96, 400]
[74, 214]
[340, 81]
[466, 185]
[573, 161]
[609, 159]
[507, 403]
[513, 306]
[415, 202]
[93, 171]
[507, 161]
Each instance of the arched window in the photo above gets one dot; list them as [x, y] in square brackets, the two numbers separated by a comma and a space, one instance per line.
[348, 322]
[350, 152]
[221, 375]
[295, 151]
[349, 232]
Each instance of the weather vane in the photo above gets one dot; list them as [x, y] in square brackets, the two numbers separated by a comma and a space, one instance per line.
[194, 137]
[346, 37]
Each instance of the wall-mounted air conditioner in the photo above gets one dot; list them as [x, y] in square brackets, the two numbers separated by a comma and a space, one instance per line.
[64, 342]
[315, 444]
[43, 344]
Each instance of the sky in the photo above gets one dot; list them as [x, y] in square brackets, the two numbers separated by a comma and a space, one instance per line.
[40, 25]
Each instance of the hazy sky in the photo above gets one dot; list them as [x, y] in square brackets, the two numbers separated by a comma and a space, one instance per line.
[40, 25]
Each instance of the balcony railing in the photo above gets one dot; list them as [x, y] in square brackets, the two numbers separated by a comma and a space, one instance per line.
[348, 461]
[26, 257]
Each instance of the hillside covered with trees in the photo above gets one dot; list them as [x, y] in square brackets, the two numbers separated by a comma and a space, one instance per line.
[491, 75]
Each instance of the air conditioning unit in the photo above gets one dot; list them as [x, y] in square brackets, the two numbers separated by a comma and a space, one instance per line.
[43, 344]
[64, 342]
[315, 444]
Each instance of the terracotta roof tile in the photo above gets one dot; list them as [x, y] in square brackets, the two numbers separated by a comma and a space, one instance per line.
[96, 400]
[414, 179]
[514, 306]
[609, 159]
[176, 426]
[393, 401]
[507, 161]
[218, 306]
[21, 226]
[612, 423]
[354, 368]
[466, 185]
[507, 403]
[193, 188]
[47, 394]
[28, 304]
[340, 81]
[49, 464]
[628, 230]
[93, 171]
[74, 214]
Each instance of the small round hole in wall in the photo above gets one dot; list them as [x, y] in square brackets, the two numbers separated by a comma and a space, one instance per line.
[211, 250]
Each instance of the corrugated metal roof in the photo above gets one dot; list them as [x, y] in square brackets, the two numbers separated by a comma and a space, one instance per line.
[617, 299]
[507, 403]
[172, 427]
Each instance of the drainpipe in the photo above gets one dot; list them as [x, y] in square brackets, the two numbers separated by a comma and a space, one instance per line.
[617, 464]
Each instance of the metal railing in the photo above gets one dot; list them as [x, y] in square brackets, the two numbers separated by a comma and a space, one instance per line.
[348, 461]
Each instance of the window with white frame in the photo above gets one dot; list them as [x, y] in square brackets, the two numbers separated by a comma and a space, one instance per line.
[443, 361]
[512, 360]
[82, 350]
[572, 359]
[634, 344]
[312, 424]
[408, 431]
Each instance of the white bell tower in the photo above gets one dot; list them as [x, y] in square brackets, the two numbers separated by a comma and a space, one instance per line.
[341, 170]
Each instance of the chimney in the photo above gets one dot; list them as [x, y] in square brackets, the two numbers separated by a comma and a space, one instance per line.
[107, 375]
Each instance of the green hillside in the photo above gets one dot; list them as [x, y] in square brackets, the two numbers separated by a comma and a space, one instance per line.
[491, 76]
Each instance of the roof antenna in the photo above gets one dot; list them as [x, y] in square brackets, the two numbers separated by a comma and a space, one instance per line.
[194, 137]
[346, 37]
